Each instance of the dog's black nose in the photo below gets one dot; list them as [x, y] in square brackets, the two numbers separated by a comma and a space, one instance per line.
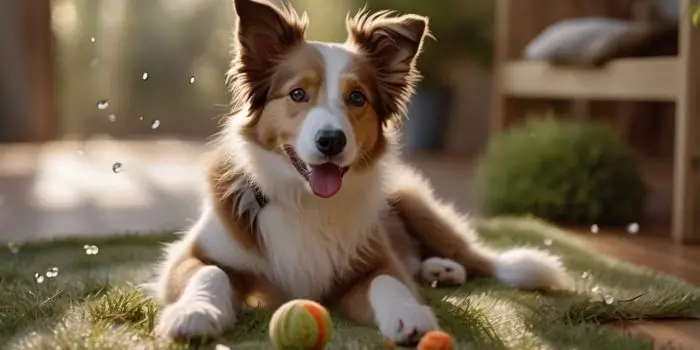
[330, 142]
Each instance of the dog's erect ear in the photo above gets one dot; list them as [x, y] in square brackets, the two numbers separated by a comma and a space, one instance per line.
[393, 43]
[263, 34]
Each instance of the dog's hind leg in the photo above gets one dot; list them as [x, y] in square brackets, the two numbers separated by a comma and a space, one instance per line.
[444, 233]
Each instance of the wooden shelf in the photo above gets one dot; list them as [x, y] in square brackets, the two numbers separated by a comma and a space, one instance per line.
[648, 79]
[521, 85]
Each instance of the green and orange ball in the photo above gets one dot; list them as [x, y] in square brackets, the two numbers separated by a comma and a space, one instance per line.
[300, 325]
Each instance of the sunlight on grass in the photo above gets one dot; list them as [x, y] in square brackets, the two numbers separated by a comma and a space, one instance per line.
[92, 301]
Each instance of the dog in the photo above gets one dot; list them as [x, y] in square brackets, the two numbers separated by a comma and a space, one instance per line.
[307, 195]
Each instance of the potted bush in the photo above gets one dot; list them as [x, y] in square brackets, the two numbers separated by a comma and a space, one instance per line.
[562, 171]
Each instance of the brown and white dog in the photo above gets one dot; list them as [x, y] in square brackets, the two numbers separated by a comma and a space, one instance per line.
[307, 197]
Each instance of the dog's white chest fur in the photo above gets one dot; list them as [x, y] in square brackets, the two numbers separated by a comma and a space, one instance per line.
[306, 249]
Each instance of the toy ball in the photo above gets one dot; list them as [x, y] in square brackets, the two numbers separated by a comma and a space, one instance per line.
[435, 340]
[300, 324]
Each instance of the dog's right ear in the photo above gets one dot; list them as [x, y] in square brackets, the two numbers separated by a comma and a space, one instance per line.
[263, 33]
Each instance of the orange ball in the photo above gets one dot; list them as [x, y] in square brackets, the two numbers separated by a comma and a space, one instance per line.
[435, 340]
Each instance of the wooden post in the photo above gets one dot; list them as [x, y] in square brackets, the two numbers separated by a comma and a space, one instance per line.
[26, 76]
[38, 55]
[686, 189]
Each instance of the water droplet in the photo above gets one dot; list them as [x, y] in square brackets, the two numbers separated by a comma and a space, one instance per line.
[52, 272]
[144, 76]
[140, 118]
[585, 275]
[117, 168]
[102, 104]
[39, 277]
[548, 242]
[595, 289]
[13, 247]
[608, 299]
[434, 284]
[595, 229]
[112, 118]
[192, 79]
[633, 228]
[92, 39]
[91, 249]
[155, 124]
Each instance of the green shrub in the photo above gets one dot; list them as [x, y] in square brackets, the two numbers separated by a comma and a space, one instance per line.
[562, 171]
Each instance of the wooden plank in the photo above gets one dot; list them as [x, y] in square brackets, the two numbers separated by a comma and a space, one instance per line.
[686, 204]
[625, 79]
[502, 25]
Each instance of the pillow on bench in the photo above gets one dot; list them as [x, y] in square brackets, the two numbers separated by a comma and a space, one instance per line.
[595, 41]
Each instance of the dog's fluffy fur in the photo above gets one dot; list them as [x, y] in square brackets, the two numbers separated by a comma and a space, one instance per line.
[266, 236]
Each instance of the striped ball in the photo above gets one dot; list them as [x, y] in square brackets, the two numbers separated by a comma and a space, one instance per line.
[300, 324]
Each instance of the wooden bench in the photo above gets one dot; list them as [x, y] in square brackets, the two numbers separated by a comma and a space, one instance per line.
[519, 85]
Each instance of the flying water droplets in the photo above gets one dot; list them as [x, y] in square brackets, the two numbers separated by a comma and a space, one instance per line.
[92, 39]
[155, 124]
[548, 242]
[595, 229]
[13, 247]
[52, 272]
[39, 277]
[112, 118]
[633, 228]
[102, 104]
[595, 289]
[434, 284]
[144, 76]
[192, 79]
[91, 249]
[117, 168]
[608, 299]
[585, 275]
[141, 118]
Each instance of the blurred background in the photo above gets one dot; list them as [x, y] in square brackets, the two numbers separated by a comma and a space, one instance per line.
[106, 105]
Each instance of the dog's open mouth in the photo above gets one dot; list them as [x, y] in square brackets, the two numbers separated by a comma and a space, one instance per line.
[325, 179]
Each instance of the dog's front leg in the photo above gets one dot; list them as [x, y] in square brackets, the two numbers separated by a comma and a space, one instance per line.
[387, 297]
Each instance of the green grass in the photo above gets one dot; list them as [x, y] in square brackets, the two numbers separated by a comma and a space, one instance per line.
[93, 302]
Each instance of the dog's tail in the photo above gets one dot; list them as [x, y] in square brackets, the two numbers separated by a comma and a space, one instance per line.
[444, 232]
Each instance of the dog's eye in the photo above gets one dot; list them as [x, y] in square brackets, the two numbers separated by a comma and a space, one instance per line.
[357, 99]
[299, 95]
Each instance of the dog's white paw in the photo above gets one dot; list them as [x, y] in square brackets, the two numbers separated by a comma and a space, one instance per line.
[444, 271]
[407, 322]
[193, 319]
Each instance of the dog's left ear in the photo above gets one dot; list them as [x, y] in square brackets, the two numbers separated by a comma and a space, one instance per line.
[393, 44]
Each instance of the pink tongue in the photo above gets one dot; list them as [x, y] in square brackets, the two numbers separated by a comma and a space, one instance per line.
[325, 179]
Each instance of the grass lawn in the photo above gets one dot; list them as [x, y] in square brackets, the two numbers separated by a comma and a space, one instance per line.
[61, 295]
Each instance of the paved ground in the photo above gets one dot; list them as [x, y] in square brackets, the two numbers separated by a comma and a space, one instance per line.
[70, 188]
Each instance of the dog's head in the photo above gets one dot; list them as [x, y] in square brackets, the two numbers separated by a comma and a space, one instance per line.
[325, 107]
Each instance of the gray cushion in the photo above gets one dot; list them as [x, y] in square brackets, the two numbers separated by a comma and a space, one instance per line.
[588, 41]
